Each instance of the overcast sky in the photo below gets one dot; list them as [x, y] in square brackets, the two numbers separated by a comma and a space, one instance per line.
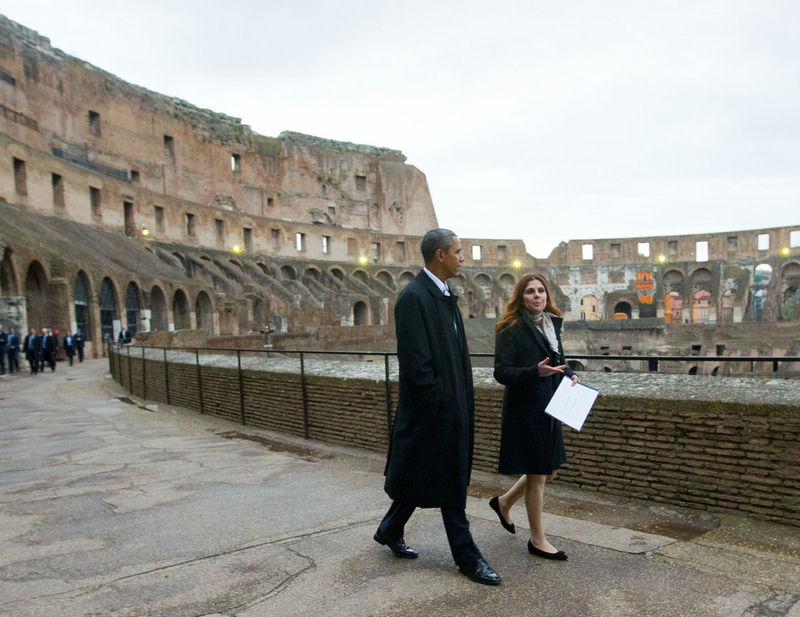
[545, 121]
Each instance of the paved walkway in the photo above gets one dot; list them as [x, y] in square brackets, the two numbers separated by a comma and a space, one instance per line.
[110, 507]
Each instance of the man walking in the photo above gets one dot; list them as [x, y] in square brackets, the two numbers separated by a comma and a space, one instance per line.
[33, 351]
[13, 351]
[69, 349]
[48, 350]
[430, 454]
[3, 350]
[80, 339]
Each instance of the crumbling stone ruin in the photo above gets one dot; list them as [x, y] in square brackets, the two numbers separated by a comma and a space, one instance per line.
[122, 206]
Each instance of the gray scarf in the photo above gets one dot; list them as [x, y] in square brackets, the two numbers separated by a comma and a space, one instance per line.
[544, 321]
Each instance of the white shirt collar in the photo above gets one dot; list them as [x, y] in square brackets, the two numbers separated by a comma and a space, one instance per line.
[441, 285]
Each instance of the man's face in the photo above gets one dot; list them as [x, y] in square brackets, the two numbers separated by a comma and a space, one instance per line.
[453, 258]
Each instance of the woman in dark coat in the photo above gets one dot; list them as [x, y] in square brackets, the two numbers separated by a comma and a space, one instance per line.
[529, 362]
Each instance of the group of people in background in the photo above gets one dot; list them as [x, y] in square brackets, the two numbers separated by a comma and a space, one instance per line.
[430, 452]
[39, 350]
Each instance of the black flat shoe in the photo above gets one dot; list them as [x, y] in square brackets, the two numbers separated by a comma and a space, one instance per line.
[559, 556]
[494, 504]
[480, 572]
[397, 546]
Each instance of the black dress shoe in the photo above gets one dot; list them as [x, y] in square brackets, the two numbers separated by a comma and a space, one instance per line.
[397, 545]
[559, 556]
[480, 572]
[494, 504]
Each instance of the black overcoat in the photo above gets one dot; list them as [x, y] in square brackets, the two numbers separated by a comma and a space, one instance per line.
[530, 440]
[430, 453]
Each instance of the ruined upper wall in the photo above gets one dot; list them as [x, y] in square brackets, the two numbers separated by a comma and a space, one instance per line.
[74, 111]
[755, 243]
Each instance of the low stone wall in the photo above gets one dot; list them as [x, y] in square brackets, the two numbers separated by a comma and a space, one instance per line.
[721, 444]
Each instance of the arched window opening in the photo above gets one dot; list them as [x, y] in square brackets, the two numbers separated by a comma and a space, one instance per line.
[158, 310]
[622, 310]
[8, 280]
[180, 311]
[80, 299]
[360, 314]
[132, 308]
[108, 309]
[204, 313]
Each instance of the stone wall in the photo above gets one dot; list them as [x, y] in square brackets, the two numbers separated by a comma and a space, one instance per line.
[721, 445]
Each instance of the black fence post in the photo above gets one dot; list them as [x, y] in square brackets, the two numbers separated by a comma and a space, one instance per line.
[166, 374]
[388, 397]
[241, 385]
[119, 364]
[130, 372]
[199, 378]
[144, 374]
[305, 394]
[110, 359]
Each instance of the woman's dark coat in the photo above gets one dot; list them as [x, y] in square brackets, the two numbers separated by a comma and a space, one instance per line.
[430, 454]
[530, 440]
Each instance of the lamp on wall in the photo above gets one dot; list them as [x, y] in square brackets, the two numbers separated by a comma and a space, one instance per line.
[363, 259]
[237, 249]
[517, 263]
[785, 251]
[662, 259]
[145, 231]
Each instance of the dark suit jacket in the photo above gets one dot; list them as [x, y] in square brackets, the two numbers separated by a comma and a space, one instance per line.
[430, 454]
[125, 336]
[69, 348]
[79, 340]
[13, 342]
[36, 352]
[49, 344]
[530, 441]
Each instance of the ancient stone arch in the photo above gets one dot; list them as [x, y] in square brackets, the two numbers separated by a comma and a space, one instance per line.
[361, 276]
[360, 314]
[405, 278]
[790, 292]
[159, 320]
[107, 302]
[133, 306]
[483, 282]
[385, 278]
[180, 310]
[8, 276]
[288, 273]
[82, 301]
[204, 313]
[622, 310]
[590, 308]
[35, 288]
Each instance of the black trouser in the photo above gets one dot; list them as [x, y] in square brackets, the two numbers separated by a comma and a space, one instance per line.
[80, 354]
[33, 362]
[70, 355]
[455, 524]
[13, 361]
[3, 354]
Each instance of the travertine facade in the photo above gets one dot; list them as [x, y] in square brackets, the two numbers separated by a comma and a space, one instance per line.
[124, 206]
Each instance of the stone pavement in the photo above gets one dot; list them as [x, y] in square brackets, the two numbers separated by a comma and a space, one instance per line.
[111, 506]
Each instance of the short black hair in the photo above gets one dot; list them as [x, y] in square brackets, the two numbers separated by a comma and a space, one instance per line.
[434, 240]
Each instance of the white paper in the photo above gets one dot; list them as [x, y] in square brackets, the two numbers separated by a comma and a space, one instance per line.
[572, 404]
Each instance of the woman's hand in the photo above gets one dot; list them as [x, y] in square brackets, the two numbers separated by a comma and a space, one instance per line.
[546, 371]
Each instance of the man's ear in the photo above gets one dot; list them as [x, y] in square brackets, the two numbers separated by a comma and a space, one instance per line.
[439, 255]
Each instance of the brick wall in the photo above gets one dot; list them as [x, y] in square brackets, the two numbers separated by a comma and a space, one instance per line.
[708, 455]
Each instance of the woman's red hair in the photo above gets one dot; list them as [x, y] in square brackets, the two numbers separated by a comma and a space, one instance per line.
[513, 312]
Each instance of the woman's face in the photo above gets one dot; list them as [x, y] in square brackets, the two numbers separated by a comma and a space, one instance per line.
[534, 297]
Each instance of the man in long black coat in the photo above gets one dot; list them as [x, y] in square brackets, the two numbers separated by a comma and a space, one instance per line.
[33, 351]
[430, 454]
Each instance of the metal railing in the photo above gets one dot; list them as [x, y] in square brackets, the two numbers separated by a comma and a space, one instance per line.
[117, 347]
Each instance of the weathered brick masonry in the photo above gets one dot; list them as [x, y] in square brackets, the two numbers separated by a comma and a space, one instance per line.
[739, 453]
